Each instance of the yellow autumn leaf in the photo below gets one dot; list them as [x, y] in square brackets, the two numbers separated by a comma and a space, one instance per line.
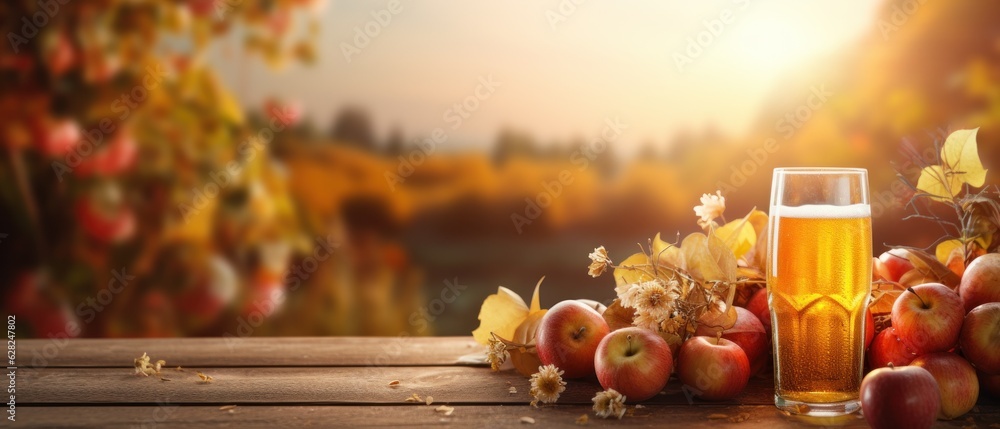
[938, 183]
[535, 300]
[960, 156]
[708, 258]
[625, 275]
[739, 235]
[944, 249]
[667, 254]
[501, 313]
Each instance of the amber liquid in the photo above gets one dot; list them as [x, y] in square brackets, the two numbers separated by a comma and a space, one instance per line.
[819, 282]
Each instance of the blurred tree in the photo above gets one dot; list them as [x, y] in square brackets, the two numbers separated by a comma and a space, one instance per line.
[394, 145]
[353, 127]
[512, 143]
[138, 199]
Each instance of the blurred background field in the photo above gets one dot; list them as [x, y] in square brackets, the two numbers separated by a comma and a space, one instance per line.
[292, 167]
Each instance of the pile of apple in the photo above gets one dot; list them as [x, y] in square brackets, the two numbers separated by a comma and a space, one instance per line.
[638, 362]
[942, 345]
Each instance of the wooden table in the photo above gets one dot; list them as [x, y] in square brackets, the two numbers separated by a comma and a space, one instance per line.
[321, 382]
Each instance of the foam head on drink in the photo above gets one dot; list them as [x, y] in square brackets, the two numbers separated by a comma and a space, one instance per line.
[819, 281]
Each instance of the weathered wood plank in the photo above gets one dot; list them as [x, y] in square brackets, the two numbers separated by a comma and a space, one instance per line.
[333, 385]
[237, 352]
[173, 416]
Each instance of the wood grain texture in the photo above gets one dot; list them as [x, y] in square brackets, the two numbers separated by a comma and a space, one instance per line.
[172, 416]
[258, 352]
[336, 385]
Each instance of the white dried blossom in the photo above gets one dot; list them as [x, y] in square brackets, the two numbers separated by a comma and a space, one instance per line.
[712, 206]
[497, 353]
[599, 261]
[547, 384]
[609, 403]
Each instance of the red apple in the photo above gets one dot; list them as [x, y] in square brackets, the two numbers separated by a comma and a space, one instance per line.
[928, 318]
[990, 384]
[758, 306]
[980, 338]
[57, 138]
[104, 216]
[568, 337]
[713, 368]
[900, 397]
[894, 264]
[956, 380]
[981, 281]
[748, 333]
[887, 349]
[119, 155]
[634, 361]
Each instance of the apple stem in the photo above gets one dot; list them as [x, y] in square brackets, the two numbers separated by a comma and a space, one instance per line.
[891, 366]
[910, 290]
[628, 349]
[579, 332]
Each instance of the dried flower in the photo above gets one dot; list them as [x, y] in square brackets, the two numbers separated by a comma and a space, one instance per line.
[599, 262]
[655, 298]
[497, 353]
[512, 390]
[646, 321]
[414, 398]
[652, 300]
[609, 403]
[711, 207]
[547, 384]
[142, 365]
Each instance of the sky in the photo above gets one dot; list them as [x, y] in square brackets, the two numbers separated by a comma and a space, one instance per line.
[559, 68]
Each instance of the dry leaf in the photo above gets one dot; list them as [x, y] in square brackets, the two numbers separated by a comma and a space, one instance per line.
[739, 418]
[938, 183]
[204, 378]
[527, 420]
[930, 267]
[960, 154]
[582, 420]
[627, 273]
[667, 254]
[394, 383]
[226, 407]
[944, 249]
[708, 258]
[502, 312]
[414, 398]
[429, 400]
[445, 409]
[619, 316]
[739, 235]
[960, 164]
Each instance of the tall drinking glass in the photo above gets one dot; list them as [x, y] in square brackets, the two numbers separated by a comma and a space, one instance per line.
[819, 271]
